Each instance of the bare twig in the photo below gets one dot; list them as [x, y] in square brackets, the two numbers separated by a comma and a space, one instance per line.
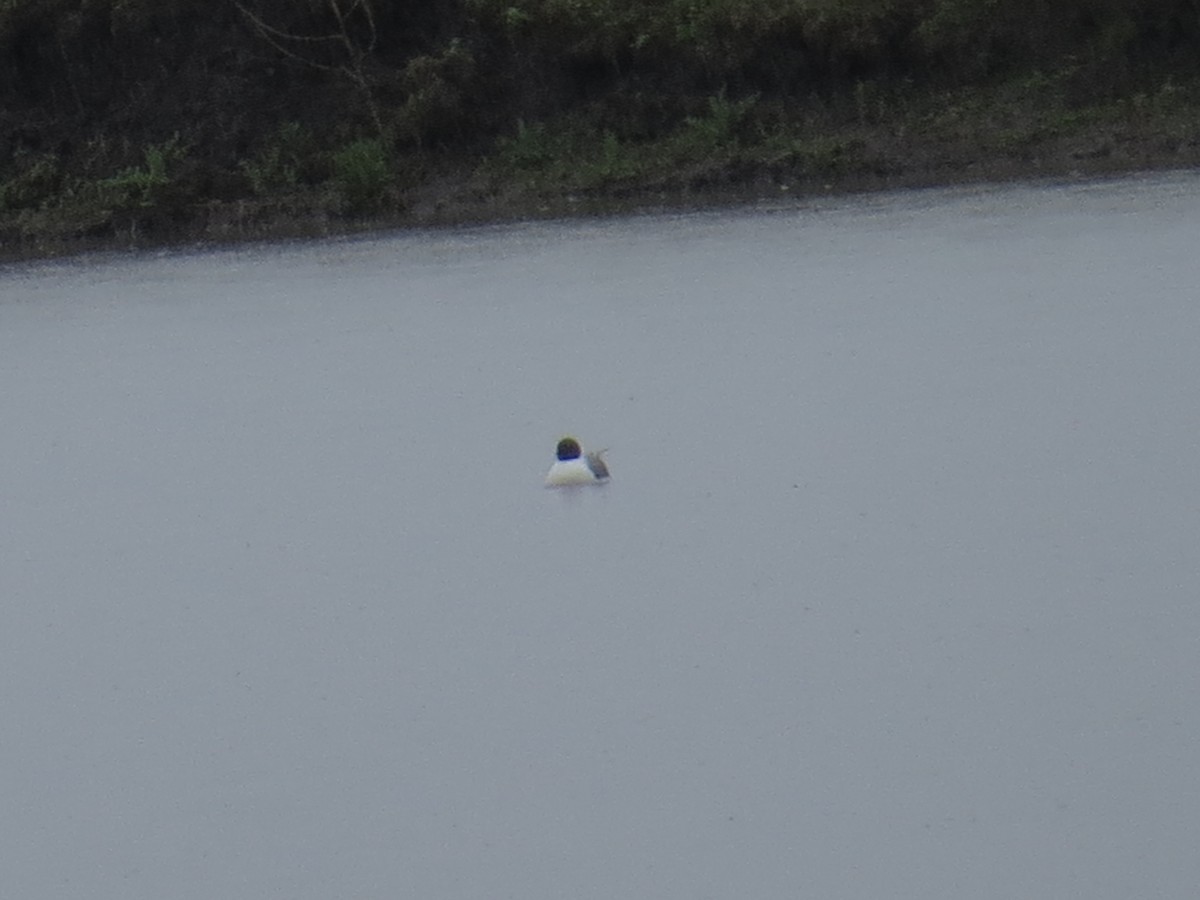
[354, 68]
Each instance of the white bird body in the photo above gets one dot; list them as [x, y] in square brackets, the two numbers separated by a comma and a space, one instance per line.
[574, 467]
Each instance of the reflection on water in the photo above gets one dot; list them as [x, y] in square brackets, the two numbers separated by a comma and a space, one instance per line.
[891, 593]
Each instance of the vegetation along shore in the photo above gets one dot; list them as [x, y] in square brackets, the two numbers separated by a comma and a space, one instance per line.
[139, 122]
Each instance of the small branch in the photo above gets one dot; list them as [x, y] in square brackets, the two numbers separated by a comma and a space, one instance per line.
[353, 68]
[275, 37]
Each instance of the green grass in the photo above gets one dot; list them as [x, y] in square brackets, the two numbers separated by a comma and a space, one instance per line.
[363, 174]
[146, 186]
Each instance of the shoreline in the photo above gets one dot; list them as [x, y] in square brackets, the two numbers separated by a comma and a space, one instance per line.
[456, 199]
[133, 126]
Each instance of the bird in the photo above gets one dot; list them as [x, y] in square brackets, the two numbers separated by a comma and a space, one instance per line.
[573, 466]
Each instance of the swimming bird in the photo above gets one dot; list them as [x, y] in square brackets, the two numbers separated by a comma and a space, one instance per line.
[573, 466]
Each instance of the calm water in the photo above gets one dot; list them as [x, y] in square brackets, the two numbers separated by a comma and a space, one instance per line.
[894, 592]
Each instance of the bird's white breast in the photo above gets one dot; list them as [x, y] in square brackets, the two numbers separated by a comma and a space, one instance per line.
[570, 471]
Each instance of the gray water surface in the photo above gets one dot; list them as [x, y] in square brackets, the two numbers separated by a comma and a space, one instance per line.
[894, 592]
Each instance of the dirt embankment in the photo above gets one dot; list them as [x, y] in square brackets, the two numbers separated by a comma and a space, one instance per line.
[135, 123]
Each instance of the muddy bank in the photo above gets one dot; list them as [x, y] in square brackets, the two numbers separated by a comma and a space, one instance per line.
[472, 195]
[135, 125]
